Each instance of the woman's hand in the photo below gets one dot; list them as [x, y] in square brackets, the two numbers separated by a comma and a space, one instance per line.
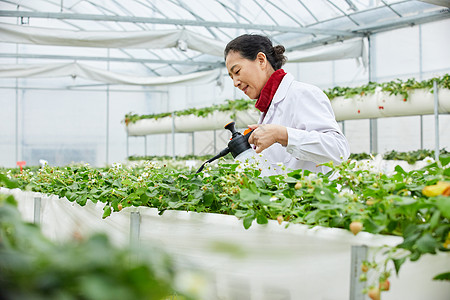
[265, 135]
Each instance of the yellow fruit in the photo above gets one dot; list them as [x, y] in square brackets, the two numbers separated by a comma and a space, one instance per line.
[298, 185]
[364, 268]
[355, 227]
[370, 202]
[437, 189]
[446, 192]
[374, 293]
[119, 206]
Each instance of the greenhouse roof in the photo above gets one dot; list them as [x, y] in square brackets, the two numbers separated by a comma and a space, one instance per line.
[175, 37]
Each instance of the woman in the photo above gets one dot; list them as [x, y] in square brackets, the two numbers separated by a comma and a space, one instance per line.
[297, 126]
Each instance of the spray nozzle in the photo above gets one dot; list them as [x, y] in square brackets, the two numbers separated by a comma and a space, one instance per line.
[237, 144]
[232, 127]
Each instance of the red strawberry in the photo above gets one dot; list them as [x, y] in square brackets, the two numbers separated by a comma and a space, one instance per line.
[384, 285]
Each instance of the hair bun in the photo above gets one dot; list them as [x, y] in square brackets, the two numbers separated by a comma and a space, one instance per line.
[279, 56]
[279, 49]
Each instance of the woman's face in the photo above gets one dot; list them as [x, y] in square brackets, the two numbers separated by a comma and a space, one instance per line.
[249, 76]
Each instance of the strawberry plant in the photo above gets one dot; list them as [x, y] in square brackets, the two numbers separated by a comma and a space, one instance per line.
[33, 267]
[395, 87]
[229, 106]
[377, 203]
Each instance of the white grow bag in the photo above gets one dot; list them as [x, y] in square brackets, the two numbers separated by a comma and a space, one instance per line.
[377, 105]
[381, 105]
[192, 123]
[266, 262]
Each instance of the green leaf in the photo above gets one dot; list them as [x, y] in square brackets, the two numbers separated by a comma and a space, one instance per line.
[117, 183]
[400, 170]
[372, 227]
[434, 220]
[144, 198]
[445, 160]
[442, 276]
[240, 213]
[261, 219]
[447, 172]
[11, 184]
[127, 182]
[82, 200]
[106, 211]
[323, 194]
[248, 221]
[175, 204]
[248, 195]
[290, 180]
[74, 186]
[208, 198]
[70, 196]
[427, 244]
[264, 199]
[398, 263]
[443, 203]
[141, 190]
[398, 200]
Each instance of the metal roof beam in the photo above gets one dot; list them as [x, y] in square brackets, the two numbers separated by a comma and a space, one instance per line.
[308, 10]
[131, 19]
[404, 22]
[393, 10]
[368, 30]
[315, 43]
[113, 59]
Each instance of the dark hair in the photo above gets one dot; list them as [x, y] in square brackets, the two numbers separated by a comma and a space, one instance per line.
[249, 45]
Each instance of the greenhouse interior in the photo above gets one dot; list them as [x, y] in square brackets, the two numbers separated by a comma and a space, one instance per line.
[225, 149]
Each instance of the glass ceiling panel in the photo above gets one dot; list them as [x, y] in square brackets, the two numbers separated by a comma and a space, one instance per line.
[374, 16]
[286, 21]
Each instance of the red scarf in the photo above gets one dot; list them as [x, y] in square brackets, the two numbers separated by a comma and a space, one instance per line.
[269, 89]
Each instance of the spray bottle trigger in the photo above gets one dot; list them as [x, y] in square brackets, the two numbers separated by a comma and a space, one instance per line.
[247, 131]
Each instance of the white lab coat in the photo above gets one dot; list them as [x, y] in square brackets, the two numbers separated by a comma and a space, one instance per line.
[314, 136]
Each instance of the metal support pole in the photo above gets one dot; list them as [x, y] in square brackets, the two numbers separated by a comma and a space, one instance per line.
[193, 143]
[145, 145]
[358, 255]
[107, 125]
[436, 121]
[135, 224]
[107, 116]
[173, 135]
[372, 72]
[128, 150]
[420, 78]
[420, 53]
[373, 135]
[37, 210]
[215, 141]
[343, 127]
[421, 132]
[17, 109]
[17, 122]
[165, 144]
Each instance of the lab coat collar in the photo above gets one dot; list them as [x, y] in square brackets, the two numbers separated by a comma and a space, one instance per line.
[280, 94]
